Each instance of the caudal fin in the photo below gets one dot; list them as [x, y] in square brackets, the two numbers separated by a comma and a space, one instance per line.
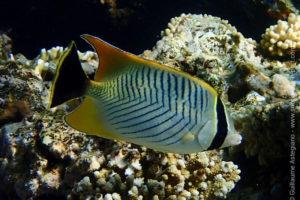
[70, 80]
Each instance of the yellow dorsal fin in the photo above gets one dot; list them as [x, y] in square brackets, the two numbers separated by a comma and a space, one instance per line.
[111, 59]
[86, 119]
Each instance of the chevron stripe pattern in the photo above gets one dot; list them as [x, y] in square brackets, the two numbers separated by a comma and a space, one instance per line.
[154, 107]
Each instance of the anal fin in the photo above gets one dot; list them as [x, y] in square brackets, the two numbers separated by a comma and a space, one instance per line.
[87, 119]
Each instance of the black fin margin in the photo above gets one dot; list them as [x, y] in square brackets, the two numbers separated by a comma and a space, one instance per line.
[222, 127]
[70, 80]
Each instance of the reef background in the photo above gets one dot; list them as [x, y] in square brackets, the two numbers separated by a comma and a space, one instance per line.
[50, 23]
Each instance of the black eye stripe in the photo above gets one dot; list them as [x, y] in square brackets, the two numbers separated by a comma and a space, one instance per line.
[222, 127]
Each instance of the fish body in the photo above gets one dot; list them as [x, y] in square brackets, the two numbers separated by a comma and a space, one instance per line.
[143, 102]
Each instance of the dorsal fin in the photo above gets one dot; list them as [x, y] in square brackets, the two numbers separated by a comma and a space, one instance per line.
[111, 59]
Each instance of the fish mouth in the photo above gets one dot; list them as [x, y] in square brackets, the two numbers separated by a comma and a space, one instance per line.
[234, 139]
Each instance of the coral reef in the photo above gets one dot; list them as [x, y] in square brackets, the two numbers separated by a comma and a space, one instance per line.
[258, 92]
[46, 62]
[42, 157]
[262, 95]
[283, 39]
[207, 47]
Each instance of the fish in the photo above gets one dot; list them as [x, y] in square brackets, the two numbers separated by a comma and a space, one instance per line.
[142, 102]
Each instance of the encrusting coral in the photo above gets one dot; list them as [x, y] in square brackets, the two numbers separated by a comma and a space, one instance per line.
[282, 39]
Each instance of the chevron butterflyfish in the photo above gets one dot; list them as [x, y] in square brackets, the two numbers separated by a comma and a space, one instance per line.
[142, 102]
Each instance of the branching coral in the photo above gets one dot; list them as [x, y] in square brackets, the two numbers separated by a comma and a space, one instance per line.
[46, 62]
[282, 39]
